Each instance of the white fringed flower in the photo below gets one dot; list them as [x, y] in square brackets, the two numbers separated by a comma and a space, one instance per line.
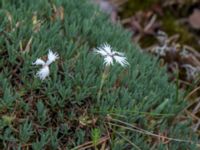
[109, 55]
[51, 57]
[44, 71]
[39, 62]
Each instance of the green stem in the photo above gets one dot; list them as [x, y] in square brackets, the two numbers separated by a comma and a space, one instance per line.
[96, 147]
[103, 78]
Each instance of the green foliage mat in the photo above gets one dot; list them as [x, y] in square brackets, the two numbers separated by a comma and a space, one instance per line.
[62, 112]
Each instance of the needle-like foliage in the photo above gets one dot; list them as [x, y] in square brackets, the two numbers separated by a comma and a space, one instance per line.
[62, 111]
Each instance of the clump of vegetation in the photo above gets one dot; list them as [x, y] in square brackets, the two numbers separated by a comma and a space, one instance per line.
[137, 107]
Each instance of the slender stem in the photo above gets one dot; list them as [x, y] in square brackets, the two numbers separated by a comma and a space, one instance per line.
[103, 78]
[126, 139]
[95, 147]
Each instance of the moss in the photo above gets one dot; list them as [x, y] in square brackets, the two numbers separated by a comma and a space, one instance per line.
[133, 6]
[171, 26]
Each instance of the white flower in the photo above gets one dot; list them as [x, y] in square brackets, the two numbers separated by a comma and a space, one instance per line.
[121, 60]
[109, 55]
[44, 71]
[51, 57]
[39, 62]
[108, 60]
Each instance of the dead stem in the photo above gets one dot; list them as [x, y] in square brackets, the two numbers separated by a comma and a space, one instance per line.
[131, 127]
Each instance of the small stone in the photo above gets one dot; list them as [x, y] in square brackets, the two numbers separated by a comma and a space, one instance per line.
[194, 19]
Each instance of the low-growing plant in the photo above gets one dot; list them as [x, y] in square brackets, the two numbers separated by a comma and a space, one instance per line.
[134, 108]
[96, 135]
